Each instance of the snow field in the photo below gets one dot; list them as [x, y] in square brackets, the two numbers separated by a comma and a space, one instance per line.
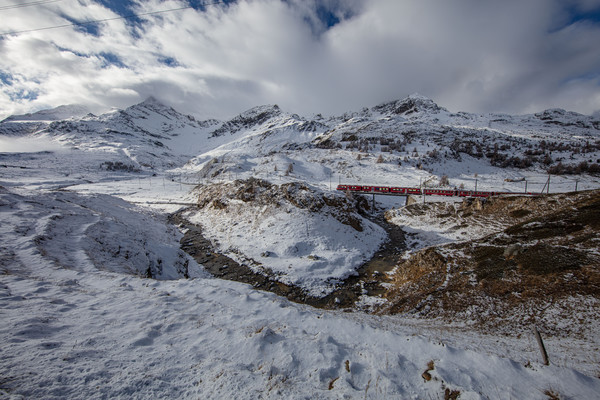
[134, 338]
[90, 333]
[86, 233]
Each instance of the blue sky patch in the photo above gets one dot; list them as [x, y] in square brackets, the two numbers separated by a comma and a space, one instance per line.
[22, 94]
[90, 28]
[6, 78]
[111, 59]
[199, 5]
[122, 8]
[573, 15]
[327, 16]
[169, 61]
[590, 16]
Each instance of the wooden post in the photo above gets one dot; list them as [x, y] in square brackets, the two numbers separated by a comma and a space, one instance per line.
[546, 184]
[540, 343]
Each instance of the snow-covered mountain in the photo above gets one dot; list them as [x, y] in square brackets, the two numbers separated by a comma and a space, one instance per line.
[53, 114]
[144, 135]
[402, 127]
[414, 129]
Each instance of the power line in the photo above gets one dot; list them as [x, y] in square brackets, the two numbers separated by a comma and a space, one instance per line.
[33, 3]
[105, 19]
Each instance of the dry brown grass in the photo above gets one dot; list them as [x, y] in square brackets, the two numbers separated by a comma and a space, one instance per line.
[332, 382]
[552, 394]
[426, 374]
[451, 394]
[540, 262]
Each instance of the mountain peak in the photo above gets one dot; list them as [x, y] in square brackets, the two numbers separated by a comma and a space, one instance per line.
[419, 97]
[150, 102]
[249, 118]
[151, 106]
[414, 103]
[265, 111]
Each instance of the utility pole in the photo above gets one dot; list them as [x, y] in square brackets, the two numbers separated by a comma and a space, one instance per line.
[576, 182]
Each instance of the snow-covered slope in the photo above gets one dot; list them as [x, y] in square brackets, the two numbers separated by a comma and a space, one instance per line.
[298, 234]
[53, 114]
[71, 332]
[85, 233]
[27, 124]
[419, 131]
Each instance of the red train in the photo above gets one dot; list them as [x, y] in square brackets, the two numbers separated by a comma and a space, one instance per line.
[394, 190]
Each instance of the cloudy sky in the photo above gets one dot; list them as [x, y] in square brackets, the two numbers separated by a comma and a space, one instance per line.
[218, 58]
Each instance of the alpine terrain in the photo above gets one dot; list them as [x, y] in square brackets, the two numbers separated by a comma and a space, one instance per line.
[399, 251]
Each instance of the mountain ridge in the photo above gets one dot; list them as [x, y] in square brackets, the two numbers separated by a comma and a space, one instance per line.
[153, 135]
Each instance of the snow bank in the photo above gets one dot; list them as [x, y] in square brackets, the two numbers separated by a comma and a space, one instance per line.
[102, 232]
[300, 236]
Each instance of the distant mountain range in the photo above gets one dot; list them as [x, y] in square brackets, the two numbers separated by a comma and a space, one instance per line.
[153, 135]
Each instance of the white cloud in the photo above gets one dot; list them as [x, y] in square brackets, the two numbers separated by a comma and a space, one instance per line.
[509, 56]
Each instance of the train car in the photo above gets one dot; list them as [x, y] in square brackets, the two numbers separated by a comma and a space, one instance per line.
[367, 189]
[440, 192]
[381, 189]
[394, 189]
[412, 191]
[342, 187]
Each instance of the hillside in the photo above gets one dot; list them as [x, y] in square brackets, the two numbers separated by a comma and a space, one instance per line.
[538, 264]
[294, 234]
